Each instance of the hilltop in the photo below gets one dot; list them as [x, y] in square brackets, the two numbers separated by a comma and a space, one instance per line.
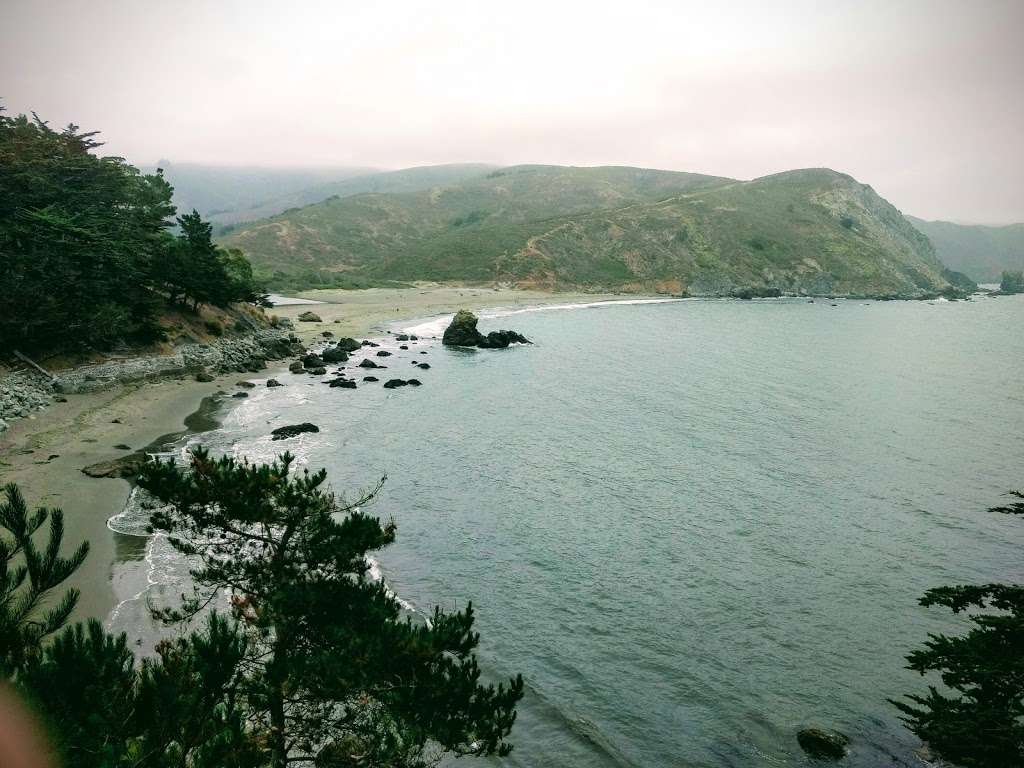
[980, 252]
[610, 228]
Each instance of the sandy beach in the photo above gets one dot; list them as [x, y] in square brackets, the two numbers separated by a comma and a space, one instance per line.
[44, 454]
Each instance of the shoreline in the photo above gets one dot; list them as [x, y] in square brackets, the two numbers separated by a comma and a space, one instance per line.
[45, 452]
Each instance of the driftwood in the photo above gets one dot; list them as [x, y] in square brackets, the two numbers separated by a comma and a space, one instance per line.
[34, 364]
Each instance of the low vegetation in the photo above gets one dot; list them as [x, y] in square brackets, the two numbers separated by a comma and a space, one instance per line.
[631, 229]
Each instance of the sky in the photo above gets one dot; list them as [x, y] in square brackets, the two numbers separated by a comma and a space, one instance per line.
[924, 100]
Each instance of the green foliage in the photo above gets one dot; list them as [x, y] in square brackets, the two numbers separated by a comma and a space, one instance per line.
[981, 252]
[978, 720]
[331, 669]
[1012, 281]
[78, 234]
[28, 576]
[608, 228]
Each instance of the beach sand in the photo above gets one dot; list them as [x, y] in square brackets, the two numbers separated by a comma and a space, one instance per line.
[82, 431]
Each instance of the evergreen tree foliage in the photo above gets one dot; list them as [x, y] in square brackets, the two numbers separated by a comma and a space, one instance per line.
[332, 672]
[86, 255]
[978, 721]
[28, 577]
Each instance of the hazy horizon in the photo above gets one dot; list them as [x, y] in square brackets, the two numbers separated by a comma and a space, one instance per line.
[921, 100]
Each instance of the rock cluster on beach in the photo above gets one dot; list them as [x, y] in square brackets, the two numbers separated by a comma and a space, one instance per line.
[462, 332]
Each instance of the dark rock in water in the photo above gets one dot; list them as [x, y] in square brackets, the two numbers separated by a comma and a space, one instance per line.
[321, 371]
[424, 366]
[402, 337]
[123, 447]
[383, 353]
[462, 332]
[369, 343]
[240, 394]
[312, 361]
[413, 337]
[403, 346]
[327, 335]
[368, 363]
[423, 352]
[343, 383]
[244, 384]
[283, 433]
[501, 339]
[347, 344]
[392, 383]
[274, 383]
[414, 382]
[310, 317]
[297, 367]
[334, 355]
[126, 466]
[204, 376]
[823, 744]
[370, 378]
[756, 292]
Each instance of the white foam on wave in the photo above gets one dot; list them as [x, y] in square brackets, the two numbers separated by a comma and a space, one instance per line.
[377, 576]
[435, 326]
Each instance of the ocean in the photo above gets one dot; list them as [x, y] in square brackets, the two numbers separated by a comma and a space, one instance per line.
[694, 526]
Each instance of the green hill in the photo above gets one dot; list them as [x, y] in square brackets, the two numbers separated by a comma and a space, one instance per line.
[980, 252]
[632, 229]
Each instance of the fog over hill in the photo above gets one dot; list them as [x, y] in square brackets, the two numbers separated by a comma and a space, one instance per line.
[979, 251]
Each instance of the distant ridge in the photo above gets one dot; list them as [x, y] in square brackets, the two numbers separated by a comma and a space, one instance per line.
[981, 252]
[814, 231]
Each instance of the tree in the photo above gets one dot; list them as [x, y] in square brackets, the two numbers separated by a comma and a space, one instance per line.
[332, 673]
[979, 722]
[28, 577]
[1012, 282]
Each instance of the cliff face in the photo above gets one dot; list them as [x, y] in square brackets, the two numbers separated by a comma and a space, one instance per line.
[813, 231]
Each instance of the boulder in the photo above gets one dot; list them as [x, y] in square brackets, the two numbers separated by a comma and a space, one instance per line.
[403, 346]
[462, 332]
[309, 317]
[822, 744]
[319, 371]
[368, 363]
[297, 367]
[283, 433]
[240, 394]
[312, 361]
[334, 355]
[204, 376]
[244, 384]
[414, 382]
[413, 337]
[370, 378]
[327, 335]
[423, 366]
[402, 337]
[126, 466]
[393, 383]
[343, 383]
[383, 353]
[347, 344]
[274, 383]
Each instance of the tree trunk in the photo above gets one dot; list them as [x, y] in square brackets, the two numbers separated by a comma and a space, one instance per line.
[276, 674]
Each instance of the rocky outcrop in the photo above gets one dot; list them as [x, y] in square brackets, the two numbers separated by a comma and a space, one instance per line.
[126, 466]
[822, 744]
[368, 363]
[394, 383]
[462, 332]
[309, 317]
[242, 355]
[292, 430]
[334, 355]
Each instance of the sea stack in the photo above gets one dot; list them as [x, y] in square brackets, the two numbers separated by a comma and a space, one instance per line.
[462, 332]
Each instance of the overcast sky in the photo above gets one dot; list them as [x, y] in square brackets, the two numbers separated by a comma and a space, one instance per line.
[922, 100]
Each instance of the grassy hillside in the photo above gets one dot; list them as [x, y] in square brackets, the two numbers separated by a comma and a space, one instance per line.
[980, 252]
[815, 230]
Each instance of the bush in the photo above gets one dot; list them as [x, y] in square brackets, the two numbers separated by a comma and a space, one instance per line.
[214, 327]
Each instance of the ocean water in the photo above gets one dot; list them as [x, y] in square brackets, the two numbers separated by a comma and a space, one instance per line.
[694, 527]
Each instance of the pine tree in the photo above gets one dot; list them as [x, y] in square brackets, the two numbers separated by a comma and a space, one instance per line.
[979, 720]
[333, 673]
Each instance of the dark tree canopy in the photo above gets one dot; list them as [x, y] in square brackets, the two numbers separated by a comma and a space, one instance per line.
[333, 671]
[85, 247]
[978, 719]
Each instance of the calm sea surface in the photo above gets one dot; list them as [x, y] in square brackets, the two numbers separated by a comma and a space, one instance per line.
[694, 527]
